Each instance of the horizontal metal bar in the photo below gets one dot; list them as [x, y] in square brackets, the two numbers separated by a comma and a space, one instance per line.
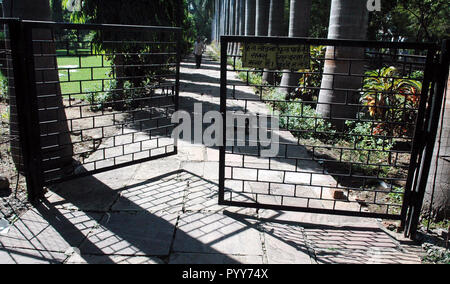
[106, 169]
[49, 24]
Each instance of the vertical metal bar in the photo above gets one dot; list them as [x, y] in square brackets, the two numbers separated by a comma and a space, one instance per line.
[418, 136]
[223, 109]
[431, 132]
[177, 81]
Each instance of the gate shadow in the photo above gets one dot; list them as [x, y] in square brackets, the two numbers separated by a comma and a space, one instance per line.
[328, 244]
[135, 224]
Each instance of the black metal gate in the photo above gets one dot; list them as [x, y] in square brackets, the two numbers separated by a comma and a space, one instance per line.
[91, 98]
[356, 128]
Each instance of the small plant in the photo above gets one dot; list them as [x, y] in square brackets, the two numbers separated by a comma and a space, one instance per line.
[396, 195]
[370, 151]
[444, 224]
[100, 100]
[391, 101]
[361, 134]
[5, 115]
[436, 255]
[127, 97]
[300, 118]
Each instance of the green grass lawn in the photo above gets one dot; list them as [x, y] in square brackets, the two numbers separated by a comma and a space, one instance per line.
[82, 74]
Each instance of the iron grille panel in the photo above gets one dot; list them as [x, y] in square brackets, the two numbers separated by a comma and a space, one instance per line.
[333, 162]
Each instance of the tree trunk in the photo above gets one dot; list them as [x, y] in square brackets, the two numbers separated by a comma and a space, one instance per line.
[262, 17]
[232, 23]
[241, 27]
[348, 20]
[437, 194]
[299, 22]
[238, 29]
[276, 17]
[61, 156]
[250, 10]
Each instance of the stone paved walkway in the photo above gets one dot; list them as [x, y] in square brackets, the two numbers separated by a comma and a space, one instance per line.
[166, 211]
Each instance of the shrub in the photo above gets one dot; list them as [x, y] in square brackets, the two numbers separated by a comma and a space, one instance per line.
[312, 77]
[101, 100]
[126, 98]
[300, 118]
[391, 101]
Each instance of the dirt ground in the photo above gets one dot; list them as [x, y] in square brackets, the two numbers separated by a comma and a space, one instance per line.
[13, 201]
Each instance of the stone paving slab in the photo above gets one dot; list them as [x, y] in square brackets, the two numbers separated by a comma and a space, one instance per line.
[292, 237]
[116, 259]
[216, 233]
[285, 244]
[50, 230]
[134, 234]
[92, 193]
[28, 256]
[155, 195]
[202, 258]
[161, 168]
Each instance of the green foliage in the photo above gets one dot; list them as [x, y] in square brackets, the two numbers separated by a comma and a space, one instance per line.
[135, 12]
[396, 195]
[436, 255]
[360, 137]
[312, 77]
[202, 12]
[252, 77]
[399, 20]
[3, 88]
[320, 16]
[391, 101]
[302, 118]
[126, 98]
[101, 100]
[5, 115]
[413, 20]
[444, 224]
[59, 13]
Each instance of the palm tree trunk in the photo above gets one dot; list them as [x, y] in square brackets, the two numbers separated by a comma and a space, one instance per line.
[262, 17]
[238, 15]
[250, 10]
[61, 155]
[232, 23]
[276, 17]
[299, 22]
[348, 20]
[241, 25]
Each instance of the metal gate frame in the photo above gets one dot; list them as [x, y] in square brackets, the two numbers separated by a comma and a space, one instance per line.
[21, 45]
[436, 74]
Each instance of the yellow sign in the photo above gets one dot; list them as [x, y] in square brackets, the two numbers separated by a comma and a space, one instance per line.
[275, 57]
